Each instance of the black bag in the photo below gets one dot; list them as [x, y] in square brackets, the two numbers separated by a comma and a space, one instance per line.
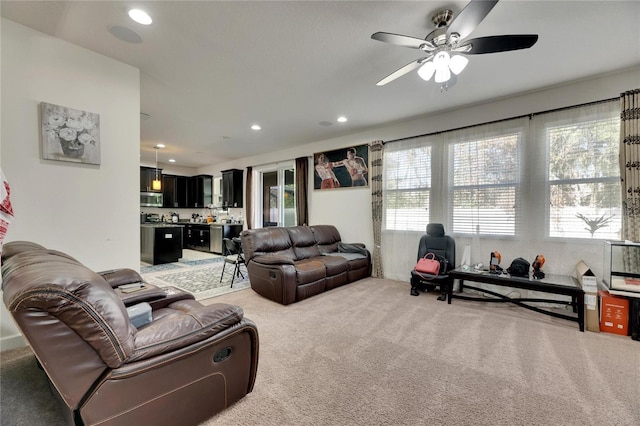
[519, 268]
[444, 265]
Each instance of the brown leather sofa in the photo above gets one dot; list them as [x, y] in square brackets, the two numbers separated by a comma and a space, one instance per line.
[289, 264]
[189, 363]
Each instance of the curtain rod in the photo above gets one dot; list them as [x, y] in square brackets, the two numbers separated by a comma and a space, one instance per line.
[277, 163]
[531, 115]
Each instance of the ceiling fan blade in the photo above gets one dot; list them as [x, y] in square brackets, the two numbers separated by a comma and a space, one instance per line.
[503, 43]
[469, 18]
[401, 40]
[402, 71]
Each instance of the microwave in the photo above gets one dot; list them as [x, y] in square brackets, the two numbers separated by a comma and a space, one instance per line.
[151, 199]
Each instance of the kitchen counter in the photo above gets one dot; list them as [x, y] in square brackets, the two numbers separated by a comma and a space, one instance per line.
[210, 224]
[161, 225]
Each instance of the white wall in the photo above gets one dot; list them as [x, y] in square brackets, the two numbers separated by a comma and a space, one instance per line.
[349, 209]
[87, 211]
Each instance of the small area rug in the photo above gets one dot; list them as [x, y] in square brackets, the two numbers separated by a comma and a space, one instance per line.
[197, 273]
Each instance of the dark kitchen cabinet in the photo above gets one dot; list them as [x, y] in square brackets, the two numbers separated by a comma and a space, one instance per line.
[199, 191]
[174, 191]
[232, 195]
[188, 236]
[197, 237]
[147, 175]
[209, 237]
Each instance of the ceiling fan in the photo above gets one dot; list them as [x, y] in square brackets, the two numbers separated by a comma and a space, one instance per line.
[445, 46]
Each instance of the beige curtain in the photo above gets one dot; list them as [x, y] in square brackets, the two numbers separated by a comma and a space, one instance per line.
[375, 178]
[630, 163]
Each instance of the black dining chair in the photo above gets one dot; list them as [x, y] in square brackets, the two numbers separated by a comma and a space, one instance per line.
[234, 256]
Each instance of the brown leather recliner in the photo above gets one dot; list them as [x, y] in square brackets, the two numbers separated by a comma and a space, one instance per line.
[289, 264]
[189, 363]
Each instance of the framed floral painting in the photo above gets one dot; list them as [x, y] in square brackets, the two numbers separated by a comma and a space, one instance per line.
[69, 134]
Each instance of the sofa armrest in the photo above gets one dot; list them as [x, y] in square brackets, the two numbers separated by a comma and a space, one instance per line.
[268, 259]
[118, 277]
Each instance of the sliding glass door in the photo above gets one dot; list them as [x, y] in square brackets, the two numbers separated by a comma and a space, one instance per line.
[277, 198]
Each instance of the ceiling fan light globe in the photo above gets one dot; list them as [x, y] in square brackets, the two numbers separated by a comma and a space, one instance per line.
[442, 75]
[458, 63]
[441, 59]
[426, 71]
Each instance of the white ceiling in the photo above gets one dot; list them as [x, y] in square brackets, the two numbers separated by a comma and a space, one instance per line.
[210, 69]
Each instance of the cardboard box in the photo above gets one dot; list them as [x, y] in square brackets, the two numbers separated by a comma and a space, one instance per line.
[614, 313]
[587, 281]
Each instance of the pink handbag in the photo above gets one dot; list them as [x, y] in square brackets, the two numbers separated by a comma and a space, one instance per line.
[428, 265]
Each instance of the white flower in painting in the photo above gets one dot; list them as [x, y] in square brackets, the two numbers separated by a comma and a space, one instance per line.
[75, 124]
[68, 134]
[74, 114]
[87, 122]
[85, 138]
[56, 120]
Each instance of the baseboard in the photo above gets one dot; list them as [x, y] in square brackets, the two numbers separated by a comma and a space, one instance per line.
[12, 342]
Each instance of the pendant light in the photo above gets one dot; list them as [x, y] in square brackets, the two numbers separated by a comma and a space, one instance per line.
[156, 185]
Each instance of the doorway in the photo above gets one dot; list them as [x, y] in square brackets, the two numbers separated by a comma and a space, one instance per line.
[278, 203]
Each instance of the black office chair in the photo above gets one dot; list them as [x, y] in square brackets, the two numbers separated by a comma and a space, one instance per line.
[442, 245]
[234, 256]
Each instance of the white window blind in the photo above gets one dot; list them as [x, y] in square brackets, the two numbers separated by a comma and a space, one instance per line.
[583, 176]
[407, 187]
[484, 185]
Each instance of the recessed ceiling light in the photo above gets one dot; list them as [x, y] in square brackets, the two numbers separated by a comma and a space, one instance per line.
[140, 16]
[342, 119]
[171, 160]
[256, 127]
[160, 145]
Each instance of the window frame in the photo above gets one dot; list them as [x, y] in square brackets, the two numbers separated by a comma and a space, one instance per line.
[507, 129]
[428, 189]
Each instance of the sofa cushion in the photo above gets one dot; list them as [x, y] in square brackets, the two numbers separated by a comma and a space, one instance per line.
[308, 271]
[272, 241]
[327, 237]
[335, 265]
[182, 323]
[303, 241]
[358, 263]
[53, 282]
[16, 247]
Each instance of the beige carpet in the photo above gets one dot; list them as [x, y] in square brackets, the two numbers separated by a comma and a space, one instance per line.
[370, 354]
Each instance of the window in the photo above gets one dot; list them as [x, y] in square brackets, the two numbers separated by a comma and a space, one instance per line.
[583, 177]
[558, 171]
[407, 186]
[484, 185]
